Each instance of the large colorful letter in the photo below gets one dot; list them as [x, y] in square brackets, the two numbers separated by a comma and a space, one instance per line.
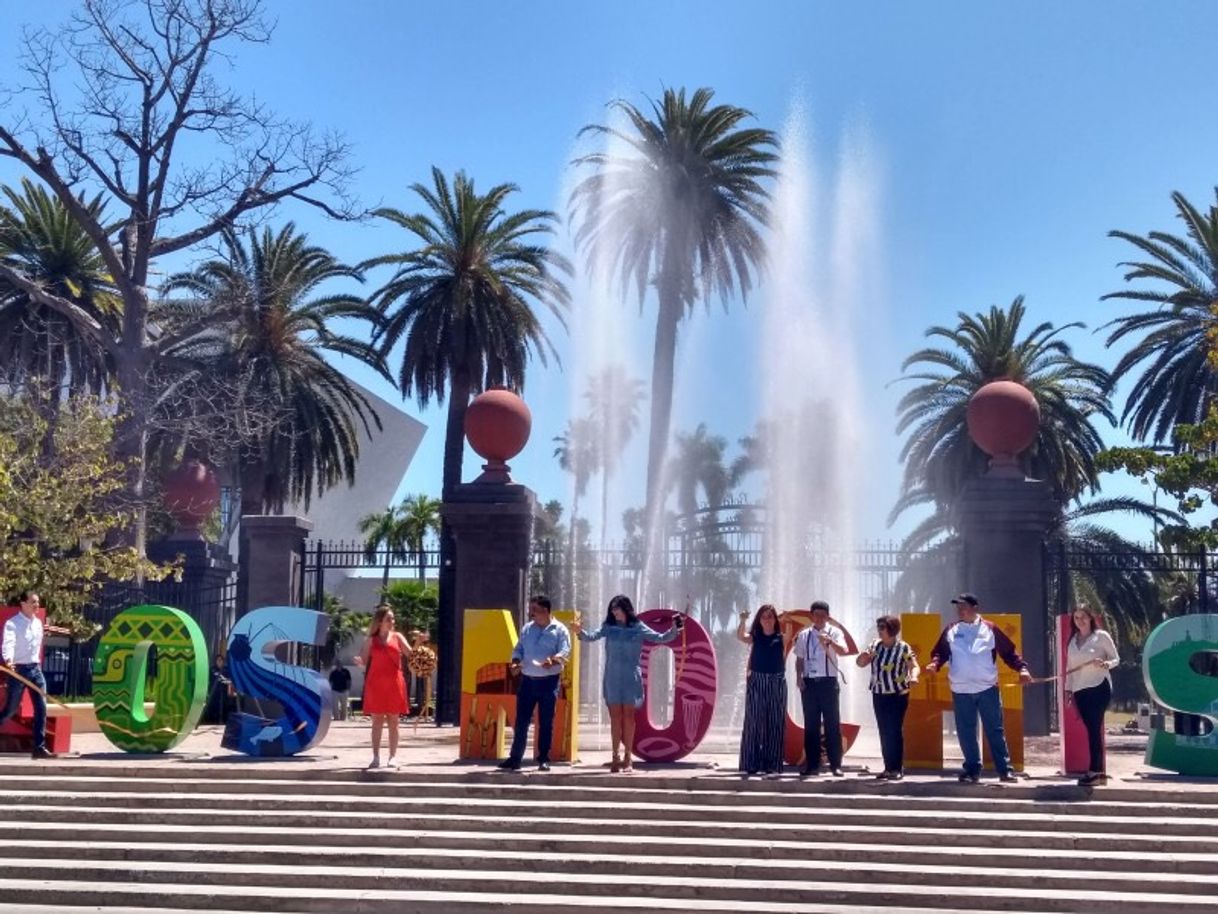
[1179, 664]
[928, 699]
[792, 622]
[1075, 754]
[488, 689]
[120, 668]
[694, 691]
[257, 664]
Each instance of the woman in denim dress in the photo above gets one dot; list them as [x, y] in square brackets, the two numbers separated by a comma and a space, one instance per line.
[622, 687]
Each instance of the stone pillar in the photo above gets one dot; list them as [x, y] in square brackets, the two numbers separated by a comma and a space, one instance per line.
[490, 523]
[1003, 522]
[271, 561]
[492, 526]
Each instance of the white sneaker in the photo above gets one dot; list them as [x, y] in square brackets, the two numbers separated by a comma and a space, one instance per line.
[393, 762]
[375, 763]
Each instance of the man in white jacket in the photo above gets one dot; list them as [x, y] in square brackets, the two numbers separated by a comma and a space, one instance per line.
[972, 647]
[22, 653]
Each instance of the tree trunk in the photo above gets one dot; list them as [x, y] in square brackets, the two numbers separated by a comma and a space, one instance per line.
[569, 599]
[448, 680]
[663, 366]
[131, 436]
[604, 509]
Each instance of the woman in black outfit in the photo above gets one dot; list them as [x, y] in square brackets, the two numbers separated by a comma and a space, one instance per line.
[765, 705]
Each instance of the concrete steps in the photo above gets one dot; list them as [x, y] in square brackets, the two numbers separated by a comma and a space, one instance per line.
[242, 838]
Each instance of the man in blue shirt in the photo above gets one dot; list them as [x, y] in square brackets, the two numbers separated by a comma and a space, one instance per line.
[544, 646]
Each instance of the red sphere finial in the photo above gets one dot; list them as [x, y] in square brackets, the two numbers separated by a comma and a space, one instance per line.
[497, 424]
[191, 493]
[1003, 419]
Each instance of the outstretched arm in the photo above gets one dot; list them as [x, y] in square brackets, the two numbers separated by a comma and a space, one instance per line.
[595, 635]
[650, 634]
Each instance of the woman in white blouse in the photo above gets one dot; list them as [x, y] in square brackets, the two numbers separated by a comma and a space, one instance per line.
[1089, 657]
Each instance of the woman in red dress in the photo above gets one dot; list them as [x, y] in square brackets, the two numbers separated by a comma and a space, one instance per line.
[384, 685]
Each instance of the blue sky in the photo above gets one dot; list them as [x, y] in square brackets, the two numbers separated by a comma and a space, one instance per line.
[1006, 140]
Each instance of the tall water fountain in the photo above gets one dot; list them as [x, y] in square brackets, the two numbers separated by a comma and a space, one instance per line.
[805, 369]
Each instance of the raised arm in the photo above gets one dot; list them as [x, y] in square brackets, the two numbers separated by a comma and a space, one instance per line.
[595, 635]
[650, 634]
[742, 630]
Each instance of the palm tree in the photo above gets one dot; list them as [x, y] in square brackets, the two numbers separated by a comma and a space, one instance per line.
[698, 466]
[420, 517]
[464, 299]
[41, 239]
[1180, 383]
[938, 453]
[613, 399]
[271, 336]
[464, 303]
[681, 208]
[577, 453]
[386, 530]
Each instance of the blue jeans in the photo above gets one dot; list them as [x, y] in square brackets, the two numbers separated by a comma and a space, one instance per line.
[538, 693]
[988, 705]
[32, 672]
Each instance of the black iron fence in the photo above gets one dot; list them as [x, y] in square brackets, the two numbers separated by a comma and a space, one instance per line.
[720, 574]
[1134, 590]
[69, 669]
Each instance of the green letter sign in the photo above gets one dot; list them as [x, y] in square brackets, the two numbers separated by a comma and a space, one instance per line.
[120, 670]
[1179, 663]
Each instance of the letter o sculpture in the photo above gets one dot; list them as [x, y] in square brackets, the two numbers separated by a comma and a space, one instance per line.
[695, 691]
[120, 668]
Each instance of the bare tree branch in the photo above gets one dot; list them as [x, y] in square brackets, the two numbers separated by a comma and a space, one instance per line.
[73, 312]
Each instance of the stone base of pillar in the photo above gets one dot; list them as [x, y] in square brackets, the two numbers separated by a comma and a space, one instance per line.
[1003, 523]
[492, 529]
[271, 563]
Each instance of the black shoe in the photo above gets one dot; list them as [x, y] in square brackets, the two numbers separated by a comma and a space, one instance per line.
[967, 778]
[809, 773]
[884, 776]
[543, 766]
[509, 765]
[896, 775]
[1008, 777]
[43, 753]
[837, 772]
[1090, 779]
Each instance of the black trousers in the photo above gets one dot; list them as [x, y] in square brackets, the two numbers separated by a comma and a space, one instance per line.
[1091, 704]
[820, 701]
[890, 720]
[538, 693]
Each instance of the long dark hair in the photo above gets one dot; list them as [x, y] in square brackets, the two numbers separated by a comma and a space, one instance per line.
[622, 602]
[1097, 621]
[756, 631]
